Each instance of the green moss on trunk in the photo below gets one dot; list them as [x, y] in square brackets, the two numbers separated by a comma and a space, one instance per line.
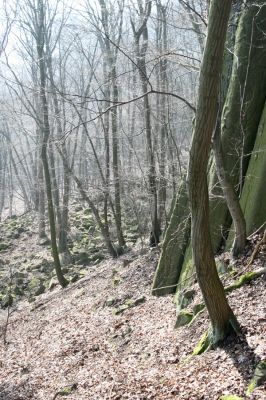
[173, 247]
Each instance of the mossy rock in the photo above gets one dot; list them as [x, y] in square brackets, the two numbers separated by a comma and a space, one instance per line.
[230, 397]
[203, 345]
[18, 290]
[198, 308]
[184, 318]
[96, 257]
[130, 303]
[36, 286]
[121, 309]
[186, 298]
[246, 278]
[115, 281]
[82, 258]
[4, 246]
[259, 377]
[67, 390]
[110, 302]
[7, 300]
[75, 277]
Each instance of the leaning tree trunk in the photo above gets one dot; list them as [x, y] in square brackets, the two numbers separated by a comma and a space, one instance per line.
[46, 133]
[221, 315]
[230, 195]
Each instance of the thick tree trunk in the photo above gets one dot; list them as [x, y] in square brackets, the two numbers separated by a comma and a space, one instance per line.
[243, 107]
[221, 315]
[254, 190]
[174, 246]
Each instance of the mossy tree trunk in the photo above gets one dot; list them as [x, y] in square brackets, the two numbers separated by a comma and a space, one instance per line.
[174, 246]
[244, 103]
[254, 191]
[221, 315]
[230, 195]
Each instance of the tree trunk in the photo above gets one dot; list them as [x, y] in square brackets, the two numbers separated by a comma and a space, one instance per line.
[243, 107]
[221, 315]
[174, 246]
[230, 195]
[46, 133]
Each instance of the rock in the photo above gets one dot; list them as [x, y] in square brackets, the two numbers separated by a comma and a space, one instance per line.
[4, 246]
[197, 308]
[184, 317]
[187, 298]
[230, 397]
[110, 302]
[18, 290]
[74, 278]
[203, 344]
[67, 390]
[130, 303]
[126, 262]
[221, 266]
[121, 309]
[53, 283]
[7, 300]
[115, 282]
[139, 300]
[44, 241]
[259, 377]
[36, 286]
[19, 277]
[82, 258]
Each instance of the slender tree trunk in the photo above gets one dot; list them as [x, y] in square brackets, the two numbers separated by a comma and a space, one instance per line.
[230, 196]
[62, 212]
[221, 315]
[46, 133]
[118, 216]
[141, 63]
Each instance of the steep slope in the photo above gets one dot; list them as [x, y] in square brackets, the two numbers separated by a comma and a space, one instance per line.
[106, 337]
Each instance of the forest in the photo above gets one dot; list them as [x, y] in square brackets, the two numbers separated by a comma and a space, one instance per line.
[133, 199]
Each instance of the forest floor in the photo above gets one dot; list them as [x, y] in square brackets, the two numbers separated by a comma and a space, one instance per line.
[105, 337]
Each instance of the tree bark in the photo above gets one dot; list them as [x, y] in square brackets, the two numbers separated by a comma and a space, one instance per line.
[221, 315]
[46, 133]
[230, 196]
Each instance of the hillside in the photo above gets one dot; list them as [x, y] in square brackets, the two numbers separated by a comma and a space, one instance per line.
[106, 337]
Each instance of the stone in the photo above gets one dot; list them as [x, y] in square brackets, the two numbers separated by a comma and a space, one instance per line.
[4, 246]
[36, 286]
[7, 300]
[186, 298]
[198, 308]
[53, 283]
[184, 317]
[110, 302]
[82, 258]
[74, 278]
[44, 241]
[259, 377]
